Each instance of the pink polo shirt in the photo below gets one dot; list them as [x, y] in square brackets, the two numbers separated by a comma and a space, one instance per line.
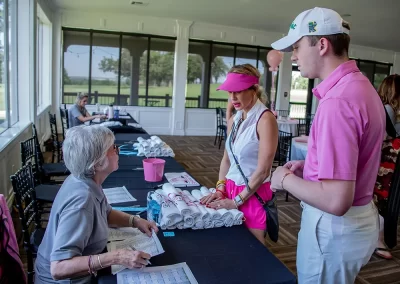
[346, 135]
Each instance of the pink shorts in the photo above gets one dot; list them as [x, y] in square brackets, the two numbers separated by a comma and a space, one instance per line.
[252, 209]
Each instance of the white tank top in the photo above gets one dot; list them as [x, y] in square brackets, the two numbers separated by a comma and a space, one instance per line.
[245, 145]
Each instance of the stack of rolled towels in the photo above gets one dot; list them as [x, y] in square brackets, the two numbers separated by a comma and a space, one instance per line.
[182, 209]
[153, 147]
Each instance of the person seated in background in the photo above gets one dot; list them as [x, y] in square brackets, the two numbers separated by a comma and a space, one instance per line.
[77, 231]
[389, 91]
[78, 114]
[252, 139]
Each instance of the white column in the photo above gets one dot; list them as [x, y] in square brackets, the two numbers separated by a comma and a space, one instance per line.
[33, 59]
[396, 64]
[135, 74]
[26, 67]
[315, 101]
[284, 80]
[180, 77]
[57, 64]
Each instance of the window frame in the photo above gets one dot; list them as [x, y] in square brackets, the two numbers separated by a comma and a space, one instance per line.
[121, 35]
[257, 48]
[10, 71]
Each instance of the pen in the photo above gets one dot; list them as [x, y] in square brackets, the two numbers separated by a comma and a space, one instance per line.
[133, 248]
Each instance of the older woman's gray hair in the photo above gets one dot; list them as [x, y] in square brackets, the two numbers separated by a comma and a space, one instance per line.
[80, 97]
[85, 149]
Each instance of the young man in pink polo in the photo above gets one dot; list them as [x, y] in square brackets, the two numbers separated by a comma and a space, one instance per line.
[339, 224]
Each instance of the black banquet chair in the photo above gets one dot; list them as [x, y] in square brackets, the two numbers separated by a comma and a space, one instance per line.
[29, 215]
[284, 149]
[221, 127]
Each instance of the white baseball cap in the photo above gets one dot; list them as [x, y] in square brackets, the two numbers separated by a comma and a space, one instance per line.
[317, 21]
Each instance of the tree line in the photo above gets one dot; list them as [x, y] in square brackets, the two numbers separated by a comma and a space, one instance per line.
[160, 72]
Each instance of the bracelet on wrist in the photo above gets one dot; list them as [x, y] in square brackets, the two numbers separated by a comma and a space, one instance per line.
[283, 178]
[221, 181]
[131, 221]
[222, 192]
[220, 185]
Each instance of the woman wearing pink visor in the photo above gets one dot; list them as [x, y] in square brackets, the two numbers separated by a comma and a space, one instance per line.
[252, 142]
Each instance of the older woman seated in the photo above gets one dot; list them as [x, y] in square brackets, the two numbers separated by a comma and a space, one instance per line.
[77, 232]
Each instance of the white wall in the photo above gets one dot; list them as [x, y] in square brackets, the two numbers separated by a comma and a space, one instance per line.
[197, 121]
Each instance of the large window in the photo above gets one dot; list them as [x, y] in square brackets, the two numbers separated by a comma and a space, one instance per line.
[118, 68]
[43, 61]
[208, 65]
[8, 91]
[298, 94]
[374, 71]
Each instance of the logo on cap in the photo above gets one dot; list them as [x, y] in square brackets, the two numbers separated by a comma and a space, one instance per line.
[311, 27]
[293, 26]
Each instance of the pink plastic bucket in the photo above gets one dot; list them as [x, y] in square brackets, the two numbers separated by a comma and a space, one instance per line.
[153, 169]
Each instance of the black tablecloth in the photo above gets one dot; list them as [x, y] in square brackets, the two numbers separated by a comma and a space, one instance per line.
[220, 255]
[122, 138]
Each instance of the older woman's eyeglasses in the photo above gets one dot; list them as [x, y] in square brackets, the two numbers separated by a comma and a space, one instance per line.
[116, 148]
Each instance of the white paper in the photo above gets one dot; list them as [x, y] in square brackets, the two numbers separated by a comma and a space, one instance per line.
[178, 274]
[136, 241]
[181, 179]
[122, 234]
[118, 195]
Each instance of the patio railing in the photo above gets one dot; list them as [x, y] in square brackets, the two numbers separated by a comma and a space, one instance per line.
[152, 101]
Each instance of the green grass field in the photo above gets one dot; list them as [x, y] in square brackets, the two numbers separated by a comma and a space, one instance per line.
[193, 90]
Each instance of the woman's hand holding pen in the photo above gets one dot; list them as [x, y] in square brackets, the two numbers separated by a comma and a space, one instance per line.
[131, 258]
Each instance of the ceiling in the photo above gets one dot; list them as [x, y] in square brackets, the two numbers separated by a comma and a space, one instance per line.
[374, 23]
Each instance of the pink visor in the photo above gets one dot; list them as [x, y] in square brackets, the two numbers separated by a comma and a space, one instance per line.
[238, 82]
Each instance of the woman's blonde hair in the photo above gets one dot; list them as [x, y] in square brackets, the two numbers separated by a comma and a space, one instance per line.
[249, 69]
[389, 91]
[80, 96]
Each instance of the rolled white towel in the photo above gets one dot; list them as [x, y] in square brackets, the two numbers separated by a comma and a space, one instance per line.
[226, 216]
[153, 144]
[204, 190]
[145, 144]
[195, 210]
[157, 152]
[170, 214]
[237, 216]
[203, 212]
[197, 194]
[213, 213]
[174, 195]
[198, 224]
[208, 224]
[180, 225]
[188, 221]
[140, 139]
[218, 223]
[170, 228]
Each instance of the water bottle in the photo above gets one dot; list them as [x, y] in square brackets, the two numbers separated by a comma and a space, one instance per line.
[110, 111]
[116, 113]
